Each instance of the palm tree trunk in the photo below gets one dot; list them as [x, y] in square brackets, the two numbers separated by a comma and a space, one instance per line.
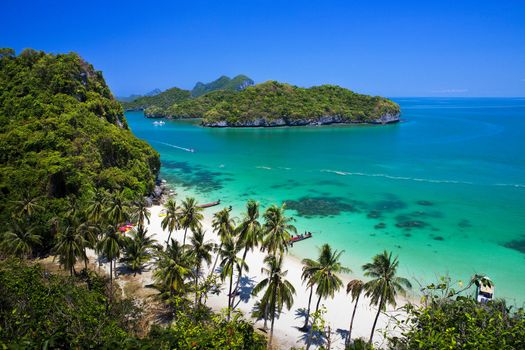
[184, 240]
[240, 275]
[196, 282]
[309, 304]
[375, 320]
[169, 236]
[110, 279]
[273, 314]
[215, 262]
[349, 337]
[230, 294]
[311, 333]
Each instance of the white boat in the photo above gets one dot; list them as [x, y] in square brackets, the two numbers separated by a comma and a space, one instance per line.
[160, 122]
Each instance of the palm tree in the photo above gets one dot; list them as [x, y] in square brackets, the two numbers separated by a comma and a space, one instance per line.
[172, 269]
[223, 226]
[138, 249]
[20, 239]
[28, 205]
[249, 233]
[309, 268]
[109, 246]
[70, 247]
[190, 216]
[118, 210]
[140, 211]
[279, 292]
[385, 285]
[171, 220]
[325, 277]
[200, 252]
[230, 262]
[354, 288]
[277, 229]
[96, 205]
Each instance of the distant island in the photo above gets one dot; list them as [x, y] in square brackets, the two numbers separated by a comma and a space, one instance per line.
[238, 103]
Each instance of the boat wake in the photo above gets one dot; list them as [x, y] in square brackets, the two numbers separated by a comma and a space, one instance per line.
[177, 147]
[406, 178]
[264, 167]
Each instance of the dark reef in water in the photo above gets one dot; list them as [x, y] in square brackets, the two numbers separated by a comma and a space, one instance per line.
[197, 177]
[374, 214]
[438, 238]
[379, 226]
[425, 203]
[320, 206]
[464, 223]
[517, 244]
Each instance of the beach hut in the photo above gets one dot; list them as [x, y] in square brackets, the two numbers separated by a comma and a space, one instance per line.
[484, 289]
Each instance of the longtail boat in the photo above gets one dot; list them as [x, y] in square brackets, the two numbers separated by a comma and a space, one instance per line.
[212, 204]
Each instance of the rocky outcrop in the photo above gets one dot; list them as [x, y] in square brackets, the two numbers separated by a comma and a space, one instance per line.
[324, 120]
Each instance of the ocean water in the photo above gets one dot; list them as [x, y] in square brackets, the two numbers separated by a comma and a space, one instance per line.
[444, 189]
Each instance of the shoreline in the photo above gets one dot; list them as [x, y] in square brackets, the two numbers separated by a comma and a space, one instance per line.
[286, 332]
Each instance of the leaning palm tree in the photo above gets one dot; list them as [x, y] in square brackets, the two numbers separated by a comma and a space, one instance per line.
[200, 253]
[277, 230]
[190, 216]
[109, 247]
[20, 239]
[138, 249]
[385, 285]
[355, 289]
[171, 220]
[325, 277]
[249, 233]
[223, 225]
[310, 266]
[230, 262]
[70, 247]
[172, 268]
[140, 212]
[278, 291]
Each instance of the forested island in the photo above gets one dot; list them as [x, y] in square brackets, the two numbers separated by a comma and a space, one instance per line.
[223, 104]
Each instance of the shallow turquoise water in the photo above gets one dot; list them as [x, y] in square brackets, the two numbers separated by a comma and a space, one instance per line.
[444, 189]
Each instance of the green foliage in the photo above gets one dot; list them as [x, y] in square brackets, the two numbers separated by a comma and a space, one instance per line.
[162, 100]
[62, 133]
[42, 310]
[273, 100]
[223, 83]
[462, 324]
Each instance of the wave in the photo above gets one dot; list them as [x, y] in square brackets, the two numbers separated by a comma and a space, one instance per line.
[177, 147]
[264, 167]
[511, 185]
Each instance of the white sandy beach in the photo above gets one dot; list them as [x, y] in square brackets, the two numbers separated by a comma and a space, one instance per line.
[286, 331]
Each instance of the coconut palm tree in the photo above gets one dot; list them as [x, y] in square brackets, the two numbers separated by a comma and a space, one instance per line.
[28, 205]
[109, 247]
[172, 268]
[70, 247]
[277, 229]
[355, 289]
[309, 268]
[385, 285]
[278, 291]
[140, 212]
[249, 233]
[223, 225]
[190, 216]
[117, 209]
[96, 205]
[230, 262]
[138, 249]
[172, 219]
[325, 277]
[20, 239]
[200, 253]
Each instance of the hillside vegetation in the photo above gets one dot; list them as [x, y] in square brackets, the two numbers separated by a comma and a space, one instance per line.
[274, 103]
[62, 133]
[223, 83]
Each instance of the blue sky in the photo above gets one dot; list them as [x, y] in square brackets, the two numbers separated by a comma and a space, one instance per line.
[391, 48]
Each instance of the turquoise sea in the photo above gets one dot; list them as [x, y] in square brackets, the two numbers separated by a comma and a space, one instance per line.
[444, 189]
